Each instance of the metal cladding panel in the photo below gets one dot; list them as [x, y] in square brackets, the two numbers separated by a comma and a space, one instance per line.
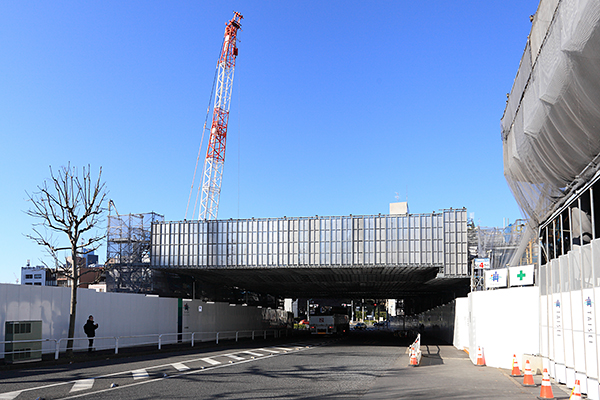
[427, 240]
[455, 242]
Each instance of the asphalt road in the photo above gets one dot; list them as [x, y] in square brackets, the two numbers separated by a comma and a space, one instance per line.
[361, 365]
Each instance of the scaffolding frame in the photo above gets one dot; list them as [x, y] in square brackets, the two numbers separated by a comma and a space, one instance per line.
[509, 246]
[128, 251]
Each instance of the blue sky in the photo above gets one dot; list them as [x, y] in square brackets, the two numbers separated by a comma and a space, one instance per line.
[337, 106]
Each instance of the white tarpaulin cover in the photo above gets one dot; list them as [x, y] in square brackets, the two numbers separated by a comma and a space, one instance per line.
[551, 124]
[496, 278]
[521, 275]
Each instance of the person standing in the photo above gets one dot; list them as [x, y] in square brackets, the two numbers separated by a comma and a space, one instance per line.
[90, 330]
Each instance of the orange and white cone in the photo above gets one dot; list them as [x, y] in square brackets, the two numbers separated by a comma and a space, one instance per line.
[414, 362]
[528, 379]
[516, 371]
[546, 392]
[576, 392]
[480, 360]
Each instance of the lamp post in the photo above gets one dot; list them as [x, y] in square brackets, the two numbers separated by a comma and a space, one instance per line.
[362, 316]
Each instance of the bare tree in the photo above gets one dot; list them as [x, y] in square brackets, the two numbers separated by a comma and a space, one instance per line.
[73, 205]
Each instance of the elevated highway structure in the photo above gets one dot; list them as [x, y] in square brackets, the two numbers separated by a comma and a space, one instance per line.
[374, 256]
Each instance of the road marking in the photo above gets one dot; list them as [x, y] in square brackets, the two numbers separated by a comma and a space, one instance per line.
[191, 371]
[235, 357]
[269, 350]
[9, 395]
[254, 354]
[140, 374]
[82, 384]
[180, 366]
[144, 374]
[210, 361]
[282, 348]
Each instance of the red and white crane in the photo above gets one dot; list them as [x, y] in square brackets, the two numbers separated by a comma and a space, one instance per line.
[215, 153]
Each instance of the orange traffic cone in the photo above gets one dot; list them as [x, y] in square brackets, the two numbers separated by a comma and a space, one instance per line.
[576, 392]
[413, 358]
[516, 371]
[546, 392]
[480, 360]
[528, 380]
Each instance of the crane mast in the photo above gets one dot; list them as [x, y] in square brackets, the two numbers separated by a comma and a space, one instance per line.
[215, 153]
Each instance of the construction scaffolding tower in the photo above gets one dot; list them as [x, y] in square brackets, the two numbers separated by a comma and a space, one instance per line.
[128, 251]
[500, 245]
[512, 245]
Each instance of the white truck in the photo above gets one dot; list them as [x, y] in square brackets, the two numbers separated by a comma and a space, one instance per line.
[329, 323]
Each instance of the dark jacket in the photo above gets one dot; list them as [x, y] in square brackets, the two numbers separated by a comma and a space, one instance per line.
[90, 328]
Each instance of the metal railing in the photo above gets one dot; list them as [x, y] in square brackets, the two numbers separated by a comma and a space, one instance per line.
[159, 339]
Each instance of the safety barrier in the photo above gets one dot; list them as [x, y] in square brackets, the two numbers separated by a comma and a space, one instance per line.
[415, 352]
[159, 339]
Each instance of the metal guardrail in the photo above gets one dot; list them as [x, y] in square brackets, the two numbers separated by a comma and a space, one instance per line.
[161, 338]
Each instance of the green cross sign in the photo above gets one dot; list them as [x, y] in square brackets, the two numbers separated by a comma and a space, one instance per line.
[521, 275]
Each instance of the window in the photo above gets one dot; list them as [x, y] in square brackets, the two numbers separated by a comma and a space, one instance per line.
[28, 276]
[37, 276]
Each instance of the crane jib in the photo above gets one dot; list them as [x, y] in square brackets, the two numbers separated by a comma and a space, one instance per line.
[215, 153]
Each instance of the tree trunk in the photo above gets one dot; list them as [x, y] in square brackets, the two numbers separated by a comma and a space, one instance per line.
[73, 307]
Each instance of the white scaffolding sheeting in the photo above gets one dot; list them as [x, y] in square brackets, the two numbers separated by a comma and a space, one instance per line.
[550, 124]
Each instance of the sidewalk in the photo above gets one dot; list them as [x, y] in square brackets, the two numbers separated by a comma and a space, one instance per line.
[150, 350]
[448, 373]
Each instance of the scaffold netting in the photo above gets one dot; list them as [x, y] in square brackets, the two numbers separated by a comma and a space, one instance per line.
[551, 124]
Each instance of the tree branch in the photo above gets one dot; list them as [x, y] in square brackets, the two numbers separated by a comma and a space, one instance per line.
[70, 204]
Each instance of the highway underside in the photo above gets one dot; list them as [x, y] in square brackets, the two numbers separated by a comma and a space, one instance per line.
[421, 286]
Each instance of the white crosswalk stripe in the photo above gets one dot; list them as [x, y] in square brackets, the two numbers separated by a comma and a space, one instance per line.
[270, 351]
[140, 374]
[180, 366]
[282, 348]
[254, 354]
[236, 357]
[9, 395]
[83, 384]
[210, 361]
